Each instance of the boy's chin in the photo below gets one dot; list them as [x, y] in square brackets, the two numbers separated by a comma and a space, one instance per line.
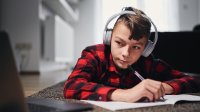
[122, 66]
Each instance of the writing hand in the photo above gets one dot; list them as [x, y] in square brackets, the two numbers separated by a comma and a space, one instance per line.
[151, 89]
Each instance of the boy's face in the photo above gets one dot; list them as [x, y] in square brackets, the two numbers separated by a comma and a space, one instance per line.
[125, 52]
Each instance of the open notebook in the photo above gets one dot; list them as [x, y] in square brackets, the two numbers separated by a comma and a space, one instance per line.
[169, 100]
[11, 91]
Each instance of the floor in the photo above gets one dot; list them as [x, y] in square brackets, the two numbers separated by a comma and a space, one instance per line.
[36, 82]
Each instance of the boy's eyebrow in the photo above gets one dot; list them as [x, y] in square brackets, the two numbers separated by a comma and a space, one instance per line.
[120, 39]
[141, 43]
[124, 41]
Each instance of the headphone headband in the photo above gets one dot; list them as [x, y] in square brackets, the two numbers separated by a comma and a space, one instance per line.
[108, 32]
[118, 14]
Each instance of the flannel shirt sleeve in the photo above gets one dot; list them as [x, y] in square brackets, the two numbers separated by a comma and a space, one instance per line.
[180, 82]
[79, 84]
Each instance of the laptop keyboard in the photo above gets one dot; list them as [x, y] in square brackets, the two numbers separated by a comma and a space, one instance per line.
[50, 105]
[41, 108]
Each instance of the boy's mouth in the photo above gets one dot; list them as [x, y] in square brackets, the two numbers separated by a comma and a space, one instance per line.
[123, 61]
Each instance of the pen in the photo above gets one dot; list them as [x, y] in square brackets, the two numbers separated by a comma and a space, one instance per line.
[139, 76]
[136, 73]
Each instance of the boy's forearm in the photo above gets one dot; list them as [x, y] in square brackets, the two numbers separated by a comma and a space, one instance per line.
[117, 95]
[168, 89]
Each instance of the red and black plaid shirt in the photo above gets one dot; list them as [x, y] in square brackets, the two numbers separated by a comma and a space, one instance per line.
[95, 76]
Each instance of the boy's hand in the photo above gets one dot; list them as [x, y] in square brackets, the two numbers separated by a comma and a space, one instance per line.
[150, 89]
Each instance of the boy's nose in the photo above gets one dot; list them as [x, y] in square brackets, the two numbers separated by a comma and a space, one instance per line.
[125, 51]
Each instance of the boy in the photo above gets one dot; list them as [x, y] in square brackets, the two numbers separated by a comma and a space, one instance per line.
[107, 72]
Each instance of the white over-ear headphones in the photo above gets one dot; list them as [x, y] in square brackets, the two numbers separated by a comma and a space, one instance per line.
[108, 33]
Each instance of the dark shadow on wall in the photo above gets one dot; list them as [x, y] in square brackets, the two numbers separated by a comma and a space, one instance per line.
[196, 28]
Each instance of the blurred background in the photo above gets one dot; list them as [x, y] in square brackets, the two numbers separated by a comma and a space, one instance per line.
[50, 34]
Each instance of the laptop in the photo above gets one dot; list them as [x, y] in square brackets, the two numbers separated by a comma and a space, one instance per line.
[12, 97]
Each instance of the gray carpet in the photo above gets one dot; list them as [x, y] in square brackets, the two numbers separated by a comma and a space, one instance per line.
[52, 92]
[56, 92]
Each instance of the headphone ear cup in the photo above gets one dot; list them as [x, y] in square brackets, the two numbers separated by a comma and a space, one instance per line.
[107, 36]
[148, 49]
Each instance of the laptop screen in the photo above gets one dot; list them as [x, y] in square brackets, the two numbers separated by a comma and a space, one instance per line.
[11, 95]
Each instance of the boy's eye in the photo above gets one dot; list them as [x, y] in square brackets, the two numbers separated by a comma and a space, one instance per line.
[136, 47]
[118, 43]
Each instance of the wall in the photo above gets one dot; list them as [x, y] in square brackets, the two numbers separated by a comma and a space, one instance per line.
[20, 19]
[85, 27]
[168, 15]
[189, 14]
[23, 19]
[107, 12]
[198, 11]
[45, 63]
[98, 28]
[165, 15]
[59, 40]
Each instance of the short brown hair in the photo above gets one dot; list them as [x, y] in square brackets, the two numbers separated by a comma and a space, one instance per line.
[139, 26]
